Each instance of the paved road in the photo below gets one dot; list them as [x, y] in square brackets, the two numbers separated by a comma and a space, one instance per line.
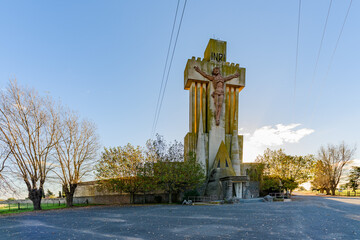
[308, 217]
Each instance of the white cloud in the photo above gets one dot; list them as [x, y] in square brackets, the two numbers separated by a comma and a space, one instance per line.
[352, 163]
[268, 136]
[346, 170]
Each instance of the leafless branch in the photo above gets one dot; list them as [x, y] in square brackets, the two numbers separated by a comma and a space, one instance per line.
[28, 127]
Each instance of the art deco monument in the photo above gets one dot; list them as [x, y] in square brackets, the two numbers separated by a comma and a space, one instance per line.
[214, 86]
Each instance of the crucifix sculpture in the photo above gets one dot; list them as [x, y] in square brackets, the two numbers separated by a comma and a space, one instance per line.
[218, 82]
[214, 85]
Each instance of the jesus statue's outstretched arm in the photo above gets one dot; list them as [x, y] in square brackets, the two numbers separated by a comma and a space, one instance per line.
[203, 73]
[228, 78]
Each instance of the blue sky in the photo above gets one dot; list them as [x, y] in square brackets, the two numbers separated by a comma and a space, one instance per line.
[105, 60]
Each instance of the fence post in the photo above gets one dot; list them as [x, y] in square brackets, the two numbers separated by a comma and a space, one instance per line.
[18, 206]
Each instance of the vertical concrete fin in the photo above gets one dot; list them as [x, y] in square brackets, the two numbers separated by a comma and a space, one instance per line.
[200, 148]
[235, 157]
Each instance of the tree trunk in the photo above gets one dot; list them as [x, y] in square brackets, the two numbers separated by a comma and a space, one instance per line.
[69, 194]
[69, 199]
[333, 191]
[35, 196]
[131, 198]
[170, 200]
[327, 191]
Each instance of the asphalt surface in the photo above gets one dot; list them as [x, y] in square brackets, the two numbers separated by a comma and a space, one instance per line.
[307, 217]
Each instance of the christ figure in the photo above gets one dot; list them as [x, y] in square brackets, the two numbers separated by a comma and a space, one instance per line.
[219, 85]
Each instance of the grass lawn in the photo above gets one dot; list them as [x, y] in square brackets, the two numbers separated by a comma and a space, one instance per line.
[348, 193]
[15, 208]
[345, 193]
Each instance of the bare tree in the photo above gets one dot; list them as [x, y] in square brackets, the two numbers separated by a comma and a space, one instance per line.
[334, 158]
[28, 126]
[75, 151]
[5, 183]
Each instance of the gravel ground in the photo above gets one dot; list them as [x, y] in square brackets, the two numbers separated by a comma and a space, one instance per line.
[307, 217]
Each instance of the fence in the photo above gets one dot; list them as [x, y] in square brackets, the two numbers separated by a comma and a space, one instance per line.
[348, 193]
[202, 198]
[277, 195]
[280, 195]
[16, 205]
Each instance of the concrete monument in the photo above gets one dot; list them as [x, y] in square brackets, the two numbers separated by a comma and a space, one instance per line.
[213, 120]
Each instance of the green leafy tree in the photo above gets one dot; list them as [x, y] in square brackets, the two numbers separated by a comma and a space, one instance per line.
[256, 172]
[175, 177]
[121, 169]
[320, 181]
[354, 178]
[49, 194]
[270, 184]
[290, 170]
[171, 172]
[289, 184]
[146, 177]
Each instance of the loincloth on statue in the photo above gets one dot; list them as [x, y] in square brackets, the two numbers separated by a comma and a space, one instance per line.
[218, 93]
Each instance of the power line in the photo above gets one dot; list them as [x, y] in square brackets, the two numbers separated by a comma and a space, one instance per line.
[297, 54]
[338, 40]
[333, 53]
[321, 43]
[172, 56]
[166, 61]
[319, 51]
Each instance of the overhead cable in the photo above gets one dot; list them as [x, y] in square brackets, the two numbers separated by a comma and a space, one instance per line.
[163, 76]
[333, 54]
[296, 58]
[169, 68]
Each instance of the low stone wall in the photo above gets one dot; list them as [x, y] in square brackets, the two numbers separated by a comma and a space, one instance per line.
[154, 198]
[87, 192]
[252, 190]
[105, 199]
[125, 199]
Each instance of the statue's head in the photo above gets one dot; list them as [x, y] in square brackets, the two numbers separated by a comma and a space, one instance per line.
[216, 71]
